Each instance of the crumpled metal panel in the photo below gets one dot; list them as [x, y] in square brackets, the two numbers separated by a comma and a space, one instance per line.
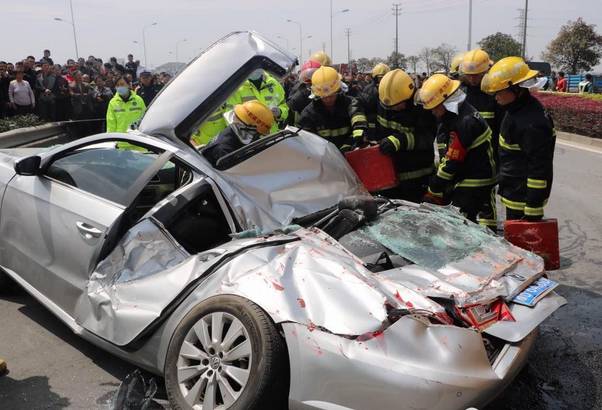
[314, 281]
[435, 367]
[293, 178]
[455, 257]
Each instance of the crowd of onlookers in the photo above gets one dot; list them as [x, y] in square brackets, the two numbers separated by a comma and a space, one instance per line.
[79, 89]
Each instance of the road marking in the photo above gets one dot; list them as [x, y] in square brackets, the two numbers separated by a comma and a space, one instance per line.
[579, 146]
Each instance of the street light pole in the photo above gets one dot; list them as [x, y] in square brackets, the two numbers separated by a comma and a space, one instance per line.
[72, 22]
[177, 44]
[144, 42]
[73, 25]
[469, 25]
[300, 39]
[331, 17]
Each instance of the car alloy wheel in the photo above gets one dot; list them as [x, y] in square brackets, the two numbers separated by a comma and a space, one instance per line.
[214, 361]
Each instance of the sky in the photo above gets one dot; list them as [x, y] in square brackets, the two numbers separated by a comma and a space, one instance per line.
[111, 27]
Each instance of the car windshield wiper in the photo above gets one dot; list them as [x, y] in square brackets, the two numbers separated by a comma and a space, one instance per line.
[248, 151]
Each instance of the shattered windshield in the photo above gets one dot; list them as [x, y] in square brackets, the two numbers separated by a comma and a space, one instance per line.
[431, 237]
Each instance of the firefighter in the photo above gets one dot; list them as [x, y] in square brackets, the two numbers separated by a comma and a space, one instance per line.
[454, 67]
[259, 86]
[527, 139]
[322, 58]
[473, 67]
[333, 115]
[299, 96]
[466, 175]
[406, 132]
[252, 120]
[369, 96]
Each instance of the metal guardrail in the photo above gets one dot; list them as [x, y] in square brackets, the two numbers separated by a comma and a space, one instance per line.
[25, 136]
[43, 135]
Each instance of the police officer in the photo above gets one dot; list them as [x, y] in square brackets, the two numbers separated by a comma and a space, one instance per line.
[526, 142]
[125, 108]
[466, 175]
[369, 95]
[252, 120]
[473, 67]
[406, 132]
[333, 115]
[147, 89]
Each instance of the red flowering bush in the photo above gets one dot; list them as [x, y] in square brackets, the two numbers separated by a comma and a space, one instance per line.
[574, 113]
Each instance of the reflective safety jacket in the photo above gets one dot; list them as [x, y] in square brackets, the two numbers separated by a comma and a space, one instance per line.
[468, 161]
[121, 114]
[490, 111]
[412, 131]
[270, 92]
[298, 99]
[527, 141]
[370, 101]
[344, 126]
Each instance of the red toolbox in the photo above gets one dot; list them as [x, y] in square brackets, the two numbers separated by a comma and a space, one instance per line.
[375, 169]
[539, 237]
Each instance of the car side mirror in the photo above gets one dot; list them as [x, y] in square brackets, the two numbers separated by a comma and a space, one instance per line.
[28, 166]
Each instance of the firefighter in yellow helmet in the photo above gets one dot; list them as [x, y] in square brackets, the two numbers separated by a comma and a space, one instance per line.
[369, 97]
[406, 132]
[466, 175]
[252, 120]
[333, 115]
[454, 67]
[322, 58]
[527, 139]
[473, 67]
[259, 86]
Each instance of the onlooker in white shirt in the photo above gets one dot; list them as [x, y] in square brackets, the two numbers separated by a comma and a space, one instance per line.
[20, 95]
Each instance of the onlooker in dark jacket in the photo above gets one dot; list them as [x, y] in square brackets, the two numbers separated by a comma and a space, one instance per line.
[46, 91]
[147, 88]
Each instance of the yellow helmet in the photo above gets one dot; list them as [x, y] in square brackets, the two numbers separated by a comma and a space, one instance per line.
[505, 73]
[475, 61]
[380, 69]
[455, 63]
[325, 82]
[255, 113]
[395, 87]
[436, 90]
[321, 57]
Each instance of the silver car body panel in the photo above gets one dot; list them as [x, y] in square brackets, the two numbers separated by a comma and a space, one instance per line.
[411, 365]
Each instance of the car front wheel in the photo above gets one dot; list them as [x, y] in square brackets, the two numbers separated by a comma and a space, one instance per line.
[227, 354]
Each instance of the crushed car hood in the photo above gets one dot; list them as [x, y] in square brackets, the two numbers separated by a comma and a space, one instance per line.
[207, 81]
[450, 256]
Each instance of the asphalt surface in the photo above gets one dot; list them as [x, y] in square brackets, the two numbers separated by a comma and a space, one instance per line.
[51, 368]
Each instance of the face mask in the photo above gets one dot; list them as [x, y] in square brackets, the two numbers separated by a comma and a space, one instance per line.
[123, 91]
[453, 103]
[256, 75]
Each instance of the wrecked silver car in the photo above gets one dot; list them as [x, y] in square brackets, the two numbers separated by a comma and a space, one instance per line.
[274, 281]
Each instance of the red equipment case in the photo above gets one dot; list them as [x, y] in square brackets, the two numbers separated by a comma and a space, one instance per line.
[539, 237]
[375, 169]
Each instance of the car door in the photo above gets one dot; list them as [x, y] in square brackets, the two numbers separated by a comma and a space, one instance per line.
[54, 225]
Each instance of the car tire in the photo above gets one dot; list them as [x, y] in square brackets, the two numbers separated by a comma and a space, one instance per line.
[243, 366]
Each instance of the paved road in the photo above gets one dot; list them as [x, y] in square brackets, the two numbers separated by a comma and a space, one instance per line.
[50, 368]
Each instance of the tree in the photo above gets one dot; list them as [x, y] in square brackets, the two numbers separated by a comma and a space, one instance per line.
[413, 62]
[426, 56]
[365, 65]
[396, 60]
[500, 45]
[577, 47]
[442, 56]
